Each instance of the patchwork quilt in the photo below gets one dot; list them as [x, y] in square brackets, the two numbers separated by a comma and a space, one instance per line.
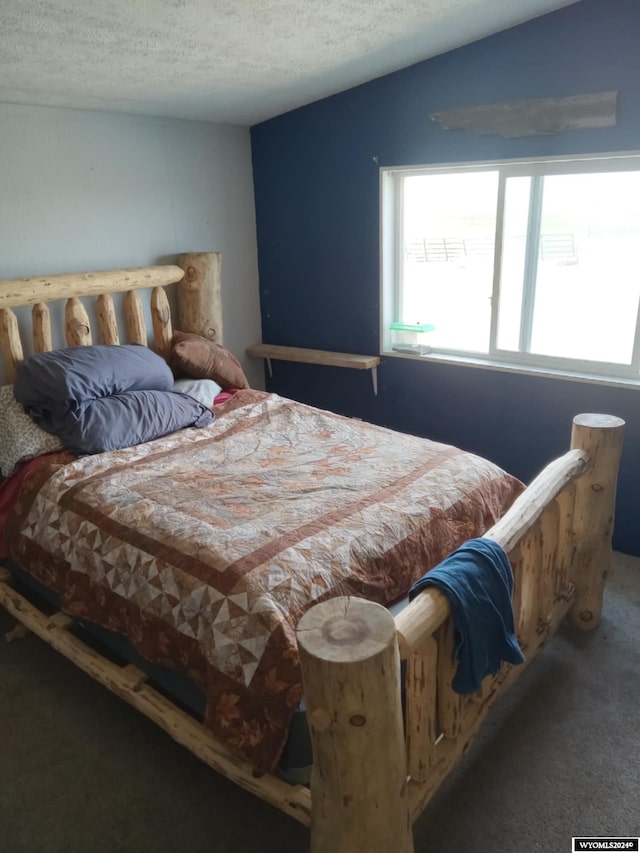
[205, 547]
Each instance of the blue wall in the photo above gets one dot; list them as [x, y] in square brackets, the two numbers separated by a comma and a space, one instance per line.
[316, 175]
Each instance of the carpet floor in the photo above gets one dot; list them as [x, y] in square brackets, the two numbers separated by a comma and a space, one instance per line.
[559, 756]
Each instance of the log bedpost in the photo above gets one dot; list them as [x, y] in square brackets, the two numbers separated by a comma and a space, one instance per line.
[601, 437]
[10, 343]
[107, 319]
[41, 325]
[351, 676]
[199, 295]
[77, 328]
[161, 321]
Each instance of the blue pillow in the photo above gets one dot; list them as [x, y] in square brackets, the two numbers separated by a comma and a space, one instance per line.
[134, 417]
[53, 385]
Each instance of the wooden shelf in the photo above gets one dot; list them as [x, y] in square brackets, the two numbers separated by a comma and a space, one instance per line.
[316, 356]
[313, 356]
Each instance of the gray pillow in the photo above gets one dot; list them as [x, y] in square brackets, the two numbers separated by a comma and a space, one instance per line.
[134, 417]
[53, 385]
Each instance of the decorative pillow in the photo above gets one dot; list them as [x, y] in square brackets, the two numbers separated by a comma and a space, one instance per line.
[20, 437]
[134, 417]
[195, 356]
[204, 390]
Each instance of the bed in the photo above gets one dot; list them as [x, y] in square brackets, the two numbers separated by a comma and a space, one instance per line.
[302, 616]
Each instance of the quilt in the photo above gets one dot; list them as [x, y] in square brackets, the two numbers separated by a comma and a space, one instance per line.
[205, 547]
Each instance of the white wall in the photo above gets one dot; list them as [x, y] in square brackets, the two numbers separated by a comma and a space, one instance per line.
[86, 190]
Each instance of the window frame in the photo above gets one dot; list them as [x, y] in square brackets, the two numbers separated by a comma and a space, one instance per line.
[392, 261]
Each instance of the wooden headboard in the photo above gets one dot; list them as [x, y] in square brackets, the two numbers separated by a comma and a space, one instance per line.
[197, 275]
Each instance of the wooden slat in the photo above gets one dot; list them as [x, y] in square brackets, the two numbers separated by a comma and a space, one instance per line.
[77, 328]
[566, 538]
[294, 800]
[134, 315]
[107, 319]
[472, 704]
[527, 617]
[18, 632]
[28, 291]
[421, 709]
[41, 327]
[135, 678]
[59, 622]
[515, 558]
[449, 703]
[549, 527]
[313, 356]
[10, 343]
[161, 321]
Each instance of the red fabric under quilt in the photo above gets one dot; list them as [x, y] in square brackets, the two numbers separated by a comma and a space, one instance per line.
[10, 488]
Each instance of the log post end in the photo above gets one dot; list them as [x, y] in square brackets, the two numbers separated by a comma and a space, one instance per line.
[596, 420]
[345, 630]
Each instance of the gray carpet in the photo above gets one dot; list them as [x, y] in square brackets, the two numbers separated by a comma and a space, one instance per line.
[560, 756]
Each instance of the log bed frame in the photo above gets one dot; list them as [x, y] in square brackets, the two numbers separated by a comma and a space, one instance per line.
[374, 770]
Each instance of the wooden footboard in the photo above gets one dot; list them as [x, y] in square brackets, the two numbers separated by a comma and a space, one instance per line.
[374, 771]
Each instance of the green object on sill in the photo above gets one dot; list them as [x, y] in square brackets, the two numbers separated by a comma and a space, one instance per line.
[412, 327]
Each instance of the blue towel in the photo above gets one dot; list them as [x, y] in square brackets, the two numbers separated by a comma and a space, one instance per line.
[478, 582]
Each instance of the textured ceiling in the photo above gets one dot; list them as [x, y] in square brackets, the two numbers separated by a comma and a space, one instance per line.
[238, 61]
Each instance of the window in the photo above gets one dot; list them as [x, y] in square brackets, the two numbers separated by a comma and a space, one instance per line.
[532, 263]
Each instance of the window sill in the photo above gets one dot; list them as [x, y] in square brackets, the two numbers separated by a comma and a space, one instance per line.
[527, 370]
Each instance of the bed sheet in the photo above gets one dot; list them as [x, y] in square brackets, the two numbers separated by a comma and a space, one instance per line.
[205, 547]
